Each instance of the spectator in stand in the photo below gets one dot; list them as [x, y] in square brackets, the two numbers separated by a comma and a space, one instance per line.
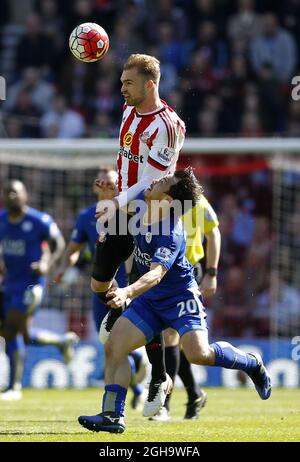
[102, 126]
[125, 41]
[162, 11]
[104, 98]
[41, 92]
[172, 50]
[245, 23]
[35, 48]
[207, 123]
[214, 47]
[251, 125]
[271, 100]
[243, 228]
[61, 121]
[82, 11]
[232, 306]
[275, 46]
[12, 127]
[27, 114]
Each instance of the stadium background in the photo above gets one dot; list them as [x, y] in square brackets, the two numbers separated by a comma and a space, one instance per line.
[224, 77]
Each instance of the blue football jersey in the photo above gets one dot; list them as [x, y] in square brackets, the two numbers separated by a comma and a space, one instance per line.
[21, 245]
[168, 250]
[85, 231]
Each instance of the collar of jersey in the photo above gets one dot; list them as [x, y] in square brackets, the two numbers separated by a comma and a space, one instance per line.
[146, 114]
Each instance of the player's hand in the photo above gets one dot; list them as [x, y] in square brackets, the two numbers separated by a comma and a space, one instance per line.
[119, 297]
[208, 285]
[105, 210]
[108, 188]
[40, 268]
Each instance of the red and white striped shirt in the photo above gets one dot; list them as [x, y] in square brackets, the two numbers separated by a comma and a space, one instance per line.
[149, 147]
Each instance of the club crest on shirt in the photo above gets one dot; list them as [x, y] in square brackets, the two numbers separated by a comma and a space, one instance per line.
[144, 137]
[148, 237]
[27, 226]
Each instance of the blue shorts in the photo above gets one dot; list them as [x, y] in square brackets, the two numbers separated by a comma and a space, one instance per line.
[184, 313]
[26, 299]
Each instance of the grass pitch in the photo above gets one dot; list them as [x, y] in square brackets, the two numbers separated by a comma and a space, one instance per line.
[230, 415]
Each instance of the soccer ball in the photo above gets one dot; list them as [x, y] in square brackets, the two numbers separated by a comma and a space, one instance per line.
[89, 42]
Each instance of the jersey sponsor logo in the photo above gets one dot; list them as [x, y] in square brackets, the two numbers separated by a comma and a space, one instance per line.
[163, 252]
[127, 140]
[166, 154]
[27, 226]
[11, 247]
[128, 155]
[143, 258]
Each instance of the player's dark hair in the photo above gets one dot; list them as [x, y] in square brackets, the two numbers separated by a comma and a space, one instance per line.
[145, 64]
[187, 189]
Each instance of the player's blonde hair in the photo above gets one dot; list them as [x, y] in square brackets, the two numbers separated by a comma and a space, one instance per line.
[145, 64]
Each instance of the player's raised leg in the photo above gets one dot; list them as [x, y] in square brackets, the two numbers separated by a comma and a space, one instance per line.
[223, 354]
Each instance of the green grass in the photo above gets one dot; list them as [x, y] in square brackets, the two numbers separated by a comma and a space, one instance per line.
[230, 415]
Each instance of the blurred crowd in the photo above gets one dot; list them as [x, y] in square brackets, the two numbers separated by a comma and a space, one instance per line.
[227, 65]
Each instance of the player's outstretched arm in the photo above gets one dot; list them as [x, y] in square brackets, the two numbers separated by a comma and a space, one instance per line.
[144, 283]
[69, 258]
[208, 285]
[57, 246]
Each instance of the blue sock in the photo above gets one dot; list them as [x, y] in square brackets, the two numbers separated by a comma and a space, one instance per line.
[137, 389]
[15, 350]
[229, 357]
[41, 337]
[114, 399]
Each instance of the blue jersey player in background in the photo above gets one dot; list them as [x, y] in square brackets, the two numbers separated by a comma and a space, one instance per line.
[166, 295]
[84, 232]
[30, 243]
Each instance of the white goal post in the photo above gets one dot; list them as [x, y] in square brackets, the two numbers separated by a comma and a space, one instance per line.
[85, 150]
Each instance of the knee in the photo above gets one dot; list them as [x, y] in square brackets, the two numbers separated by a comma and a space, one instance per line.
[98, 286]
[113, 352]
[171, 337]
[204, 357]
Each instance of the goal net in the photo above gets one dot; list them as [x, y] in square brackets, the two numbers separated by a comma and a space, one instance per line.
[285, 268]
[59, 177]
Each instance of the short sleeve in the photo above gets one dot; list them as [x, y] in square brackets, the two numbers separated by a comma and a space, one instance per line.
[210, 218]
[167, 251]
[49, 229]
[166, 145]
[79, 234]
